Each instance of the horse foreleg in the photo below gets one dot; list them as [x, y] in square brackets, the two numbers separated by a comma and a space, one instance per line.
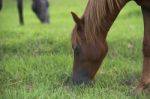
[1, 4]
[20, 11]
[145, 80]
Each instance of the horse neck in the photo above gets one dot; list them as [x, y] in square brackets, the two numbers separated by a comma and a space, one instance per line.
[102, 25]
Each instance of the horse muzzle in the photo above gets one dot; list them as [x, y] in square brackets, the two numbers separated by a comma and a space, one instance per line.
[80, 77]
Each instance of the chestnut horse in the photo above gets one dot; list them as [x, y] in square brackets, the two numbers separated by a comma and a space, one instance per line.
[39, 7]
[89, 38]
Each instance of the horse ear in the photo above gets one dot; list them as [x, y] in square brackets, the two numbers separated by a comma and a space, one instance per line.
[77, 20]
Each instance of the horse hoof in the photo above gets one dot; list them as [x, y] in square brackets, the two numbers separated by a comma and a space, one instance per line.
[138, 89]
[142, 88]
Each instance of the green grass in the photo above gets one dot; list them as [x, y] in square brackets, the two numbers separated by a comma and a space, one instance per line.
[36, 60]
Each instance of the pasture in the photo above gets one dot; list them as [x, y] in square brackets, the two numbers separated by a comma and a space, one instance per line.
[36, 60]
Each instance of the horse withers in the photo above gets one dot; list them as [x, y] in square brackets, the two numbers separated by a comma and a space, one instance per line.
[89, 38]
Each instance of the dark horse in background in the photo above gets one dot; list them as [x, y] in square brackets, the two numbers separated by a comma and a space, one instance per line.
[89, 38]
[39, 7]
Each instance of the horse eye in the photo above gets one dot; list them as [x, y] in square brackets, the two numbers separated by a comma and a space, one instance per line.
[77, 50]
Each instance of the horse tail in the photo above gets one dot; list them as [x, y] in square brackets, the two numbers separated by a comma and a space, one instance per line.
[20, 11]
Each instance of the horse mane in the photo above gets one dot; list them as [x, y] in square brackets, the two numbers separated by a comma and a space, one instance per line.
[94, 15]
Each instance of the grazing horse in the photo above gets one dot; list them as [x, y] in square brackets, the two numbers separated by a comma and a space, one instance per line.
[89, 38]
[39, 7]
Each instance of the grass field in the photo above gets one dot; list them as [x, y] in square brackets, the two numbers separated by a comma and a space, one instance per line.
[36, 60]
